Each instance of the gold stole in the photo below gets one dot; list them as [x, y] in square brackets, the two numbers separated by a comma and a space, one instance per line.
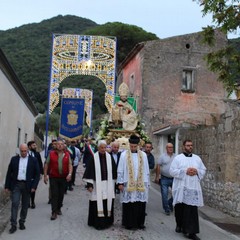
[132, 184]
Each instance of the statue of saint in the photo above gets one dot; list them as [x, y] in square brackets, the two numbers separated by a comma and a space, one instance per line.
[123, 115]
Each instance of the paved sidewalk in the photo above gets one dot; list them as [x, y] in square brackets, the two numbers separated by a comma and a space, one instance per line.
[220, 219]
[224, 221]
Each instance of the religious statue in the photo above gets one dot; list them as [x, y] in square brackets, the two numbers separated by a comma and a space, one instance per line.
[123, 115]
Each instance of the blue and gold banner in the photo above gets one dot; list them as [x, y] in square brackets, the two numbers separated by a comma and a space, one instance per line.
[72, 118]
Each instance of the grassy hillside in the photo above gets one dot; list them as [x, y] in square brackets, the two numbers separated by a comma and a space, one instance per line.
[28, 49]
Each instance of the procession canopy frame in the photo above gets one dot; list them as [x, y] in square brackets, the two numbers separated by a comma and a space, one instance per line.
[82, 55]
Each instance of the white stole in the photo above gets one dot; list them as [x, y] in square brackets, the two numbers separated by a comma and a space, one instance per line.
[99, 184]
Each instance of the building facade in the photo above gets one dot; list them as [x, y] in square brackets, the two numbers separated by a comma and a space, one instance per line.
[17, 116]
[173, 86]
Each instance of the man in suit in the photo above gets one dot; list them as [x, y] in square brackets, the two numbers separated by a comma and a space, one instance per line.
[116, 156]
[89, 151]
[22, 178]
[32, 146]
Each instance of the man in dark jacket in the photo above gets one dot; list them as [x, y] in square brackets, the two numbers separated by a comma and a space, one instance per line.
[89, 151]
[116, 156]
[151, 160]
[22, 178]
[32, 146]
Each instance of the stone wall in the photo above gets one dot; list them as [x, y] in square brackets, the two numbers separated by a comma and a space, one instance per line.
[218, 146]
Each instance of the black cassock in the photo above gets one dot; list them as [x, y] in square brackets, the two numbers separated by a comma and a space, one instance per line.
[93, 218]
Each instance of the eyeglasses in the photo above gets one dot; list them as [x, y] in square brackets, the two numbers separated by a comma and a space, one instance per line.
[188, 145]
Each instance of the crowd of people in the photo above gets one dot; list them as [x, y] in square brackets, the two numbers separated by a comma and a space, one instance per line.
[109, 171]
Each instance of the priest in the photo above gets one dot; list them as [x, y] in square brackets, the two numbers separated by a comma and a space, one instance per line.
[100, 176]
[133, 182]
[187, 170]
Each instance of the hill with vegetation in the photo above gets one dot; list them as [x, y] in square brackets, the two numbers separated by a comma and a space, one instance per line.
[28, 49]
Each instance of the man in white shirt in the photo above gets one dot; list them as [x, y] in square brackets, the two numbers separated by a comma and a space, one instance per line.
[22, 178]
[187, 169]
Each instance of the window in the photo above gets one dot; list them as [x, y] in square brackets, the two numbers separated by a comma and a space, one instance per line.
[18, 137]
[187, 81]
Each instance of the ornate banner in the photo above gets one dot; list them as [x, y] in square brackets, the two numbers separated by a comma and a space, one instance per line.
[82, 55]
[81, 93]
[72, 118]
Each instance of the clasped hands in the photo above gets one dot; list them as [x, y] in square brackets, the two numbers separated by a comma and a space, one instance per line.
[192, 171]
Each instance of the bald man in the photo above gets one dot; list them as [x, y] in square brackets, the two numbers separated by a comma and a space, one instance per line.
[22, 178]
[115, 152]
[165, 180]
[100, 176]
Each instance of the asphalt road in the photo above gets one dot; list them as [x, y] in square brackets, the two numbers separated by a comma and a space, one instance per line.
[72, 225]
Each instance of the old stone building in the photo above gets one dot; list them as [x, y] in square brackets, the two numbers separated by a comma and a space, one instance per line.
[179, 98]
[17, 116]
[173, 87]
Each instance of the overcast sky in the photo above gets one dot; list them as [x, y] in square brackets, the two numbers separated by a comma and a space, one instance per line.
[165, 18]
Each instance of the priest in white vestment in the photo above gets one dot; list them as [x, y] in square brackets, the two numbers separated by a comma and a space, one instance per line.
[187, 169]
[133, 182]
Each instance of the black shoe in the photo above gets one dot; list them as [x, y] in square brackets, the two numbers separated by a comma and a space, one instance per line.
[142, 227]
[167, 213]
[178, 229]
[128, 228]
[33, 205]
[49, 201]
[22, 226]
[13, 229]
[54, 216]
[59, 212]
[193, 236]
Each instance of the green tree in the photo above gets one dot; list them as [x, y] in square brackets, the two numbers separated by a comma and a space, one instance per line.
[53, 126]
[226, 61]
[28, 49]
[127, 36]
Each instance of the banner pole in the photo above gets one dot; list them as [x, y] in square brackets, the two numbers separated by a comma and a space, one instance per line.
[91, 131]
[48, 109]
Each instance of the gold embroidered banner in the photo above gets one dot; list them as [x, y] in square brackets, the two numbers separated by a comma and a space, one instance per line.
[84, 94]
[72, 118]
